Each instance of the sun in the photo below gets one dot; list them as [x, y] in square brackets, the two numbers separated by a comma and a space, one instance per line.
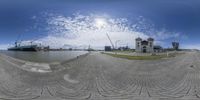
[100, 22]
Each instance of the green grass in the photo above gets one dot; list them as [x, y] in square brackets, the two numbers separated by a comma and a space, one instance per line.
[155, 57]
[119, 51]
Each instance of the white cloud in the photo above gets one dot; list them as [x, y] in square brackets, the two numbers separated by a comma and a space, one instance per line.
[33, 17]
[4, 46]
[83, 30]
[191, 46]
[164, 34]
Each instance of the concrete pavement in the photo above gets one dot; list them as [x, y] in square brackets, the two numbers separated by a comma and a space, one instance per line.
[101, 77]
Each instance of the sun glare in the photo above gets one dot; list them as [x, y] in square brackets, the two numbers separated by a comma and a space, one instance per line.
[100, 22]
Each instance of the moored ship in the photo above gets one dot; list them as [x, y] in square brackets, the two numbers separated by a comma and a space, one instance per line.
[19, 47]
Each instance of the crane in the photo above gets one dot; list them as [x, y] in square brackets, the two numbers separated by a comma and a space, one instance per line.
[110, 41]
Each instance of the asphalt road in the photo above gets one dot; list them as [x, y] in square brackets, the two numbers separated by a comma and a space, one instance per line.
[101, 77]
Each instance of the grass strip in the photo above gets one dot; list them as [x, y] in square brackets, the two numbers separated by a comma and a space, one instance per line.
[130, 57]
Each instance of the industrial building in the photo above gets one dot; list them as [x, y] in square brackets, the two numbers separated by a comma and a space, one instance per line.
[157, 49]
[108, 48]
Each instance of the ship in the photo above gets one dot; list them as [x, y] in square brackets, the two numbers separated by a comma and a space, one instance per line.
[19, 47]
[31, 45]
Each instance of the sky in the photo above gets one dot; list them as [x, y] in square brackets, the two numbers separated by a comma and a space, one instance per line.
[80, 23]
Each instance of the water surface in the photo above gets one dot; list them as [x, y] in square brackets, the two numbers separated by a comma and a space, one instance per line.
[46, 57]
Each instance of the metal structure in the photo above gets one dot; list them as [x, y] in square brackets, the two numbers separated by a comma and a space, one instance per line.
[28, 46]
[110, 41]
[175, 45]
[116, 43]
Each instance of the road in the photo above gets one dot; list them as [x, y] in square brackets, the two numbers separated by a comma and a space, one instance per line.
[101, 77]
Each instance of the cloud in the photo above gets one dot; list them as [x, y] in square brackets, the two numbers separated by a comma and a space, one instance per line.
[4, 46]
[33, 17]
[84, 30]
[191, 46]
[81, 30]
[164, 34]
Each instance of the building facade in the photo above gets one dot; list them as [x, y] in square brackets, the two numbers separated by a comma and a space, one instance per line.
[107, 48]
[144, 46]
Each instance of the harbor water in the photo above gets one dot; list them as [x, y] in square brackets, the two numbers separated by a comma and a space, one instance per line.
[44, 57]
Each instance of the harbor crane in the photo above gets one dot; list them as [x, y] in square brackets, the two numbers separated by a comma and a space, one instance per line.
[110, 41]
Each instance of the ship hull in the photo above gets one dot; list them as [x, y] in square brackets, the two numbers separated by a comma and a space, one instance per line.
[24, 48]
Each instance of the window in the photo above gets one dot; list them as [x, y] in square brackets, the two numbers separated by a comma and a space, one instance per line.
[150, 44]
